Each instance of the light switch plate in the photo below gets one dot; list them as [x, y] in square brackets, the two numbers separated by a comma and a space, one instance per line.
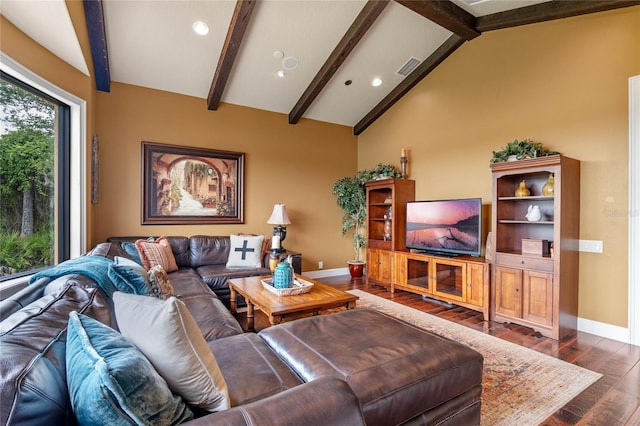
[590, 246]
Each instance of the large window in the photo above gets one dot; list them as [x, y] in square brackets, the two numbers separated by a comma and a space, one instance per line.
[31, 146]
[42, 210]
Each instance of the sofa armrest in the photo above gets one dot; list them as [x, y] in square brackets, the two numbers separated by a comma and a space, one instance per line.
[323, 402]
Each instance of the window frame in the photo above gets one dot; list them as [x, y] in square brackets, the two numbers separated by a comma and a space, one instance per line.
[72, 230]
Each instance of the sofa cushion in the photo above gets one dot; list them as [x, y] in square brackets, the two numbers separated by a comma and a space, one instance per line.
[209, 250]
[187, 282]
[157, 252]
[212, 316]
[167, 334]
[245, 251]
[111, 382]
[160, 285]
[32, 365]
[216, 276]
[128, 276]
[256, 374]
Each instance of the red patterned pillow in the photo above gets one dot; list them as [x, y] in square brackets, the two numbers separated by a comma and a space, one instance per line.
[157, 252]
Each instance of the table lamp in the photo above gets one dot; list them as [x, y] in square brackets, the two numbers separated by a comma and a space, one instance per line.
[280, 219]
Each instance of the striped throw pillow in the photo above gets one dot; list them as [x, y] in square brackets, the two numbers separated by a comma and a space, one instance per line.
[157, 252]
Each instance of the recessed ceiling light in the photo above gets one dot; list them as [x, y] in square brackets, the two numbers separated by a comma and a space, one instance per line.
[289, 63]
[376, 82]
[281, 73]
[278, 54]
[200, 28]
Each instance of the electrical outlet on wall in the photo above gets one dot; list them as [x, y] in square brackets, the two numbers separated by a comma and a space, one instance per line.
[320, 264]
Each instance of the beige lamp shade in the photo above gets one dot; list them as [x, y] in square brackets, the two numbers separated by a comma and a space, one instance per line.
[279, 215]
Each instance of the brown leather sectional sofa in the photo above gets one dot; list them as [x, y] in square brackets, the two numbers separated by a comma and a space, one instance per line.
[344, 368]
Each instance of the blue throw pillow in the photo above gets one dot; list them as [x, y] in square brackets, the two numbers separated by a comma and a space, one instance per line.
[132, 251]
[111, 382]
[129, 277]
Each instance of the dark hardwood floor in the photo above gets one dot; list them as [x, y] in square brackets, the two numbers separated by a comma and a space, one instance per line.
[612, 400]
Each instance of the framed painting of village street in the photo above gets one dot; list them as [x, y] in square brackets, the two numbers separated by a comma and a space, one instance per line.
[182, 185]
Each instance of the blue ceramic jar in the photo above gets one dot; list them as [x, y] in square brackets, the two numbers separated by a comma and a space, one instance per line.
[283, 275]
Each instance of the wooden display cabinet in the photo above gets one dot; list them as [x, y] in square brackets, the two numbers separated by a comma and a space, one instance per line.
[462, 281]
[386, 197]
[538, 290]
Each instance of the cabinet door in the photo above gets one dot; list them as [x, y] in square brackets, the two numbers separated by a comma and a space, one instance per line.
[537, 297]
[385, 259]
[418, 274]
[379, 265]
[400, 269]
[372, 264]
[449, 279]
[475, 284]
[508, 291]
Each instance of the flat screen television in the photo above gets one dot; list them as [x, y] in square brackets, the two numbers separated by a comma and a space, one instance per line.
[445, 227]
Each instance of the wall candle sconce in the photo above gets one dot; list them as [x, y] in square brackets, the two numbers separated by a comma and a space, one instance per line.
[403, 163]
[280, 219]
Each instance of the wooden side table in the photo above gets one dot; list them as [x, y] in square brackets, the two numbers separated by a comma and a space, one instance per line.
[296, 260]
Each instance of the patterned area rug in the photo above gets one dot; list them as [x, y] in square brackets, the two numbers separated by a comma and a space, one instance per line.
[519, 386]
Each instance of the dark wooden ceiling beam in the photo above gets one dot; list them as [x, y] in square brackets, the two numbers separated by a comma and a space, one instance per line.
[429, 64]
[447, 15]
[235, 34]
[367, 16]
[556, 9]
[94, 16]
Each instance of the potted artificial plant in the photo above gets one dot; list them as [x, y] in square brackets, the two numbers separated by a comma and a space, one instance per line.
[352, 199]
[519, 150]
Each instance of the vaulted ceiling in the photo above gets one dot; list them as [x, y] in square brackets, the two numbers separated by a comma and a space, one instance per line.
[304, 58]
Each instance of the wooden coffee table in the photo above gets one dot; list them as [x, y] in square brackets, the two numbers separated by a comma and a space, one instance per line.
[277, 308]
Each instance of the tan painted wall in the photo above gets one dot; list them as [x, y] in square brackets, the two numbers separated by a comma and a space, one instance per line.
[563, 83]
[295, 165]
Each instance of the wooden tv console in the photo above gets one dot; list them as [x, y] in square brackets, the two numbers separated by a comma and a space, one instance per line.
[462, 281]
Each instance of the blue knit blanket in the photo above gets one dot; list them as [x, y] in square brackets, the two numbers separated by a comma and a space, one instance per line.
[94, 267]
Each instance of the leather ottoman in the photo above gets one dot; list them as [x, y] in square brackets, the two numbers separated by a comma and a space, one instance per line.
[399, 372]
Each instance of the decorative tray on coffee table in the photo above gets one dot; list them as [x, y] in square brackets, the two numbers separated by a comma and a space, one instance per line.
[299, 286]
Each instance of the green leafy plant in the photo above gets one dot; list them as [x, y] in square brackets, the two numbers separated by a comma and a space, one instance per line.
[21, 253]
[352, 199]
[525, 148]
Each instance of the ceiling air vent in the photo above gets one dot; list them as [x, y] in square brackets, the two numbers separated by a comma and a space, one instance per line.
[411, 64]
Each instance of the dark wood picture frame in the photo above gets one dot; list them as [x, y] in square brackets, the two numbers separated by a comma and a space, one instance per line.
[183, 185]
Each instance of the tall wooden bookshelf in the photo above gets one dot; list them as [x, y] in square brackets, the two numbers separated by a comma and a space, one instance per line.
[535, 272]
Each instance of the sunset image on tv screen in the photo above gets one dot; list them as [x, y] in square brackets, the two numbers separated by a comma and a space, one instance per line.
[449, 225]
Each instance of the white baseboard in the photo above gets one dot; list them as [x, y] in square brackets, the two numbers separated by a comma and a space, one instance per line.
[322, 273]
[602, 329]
